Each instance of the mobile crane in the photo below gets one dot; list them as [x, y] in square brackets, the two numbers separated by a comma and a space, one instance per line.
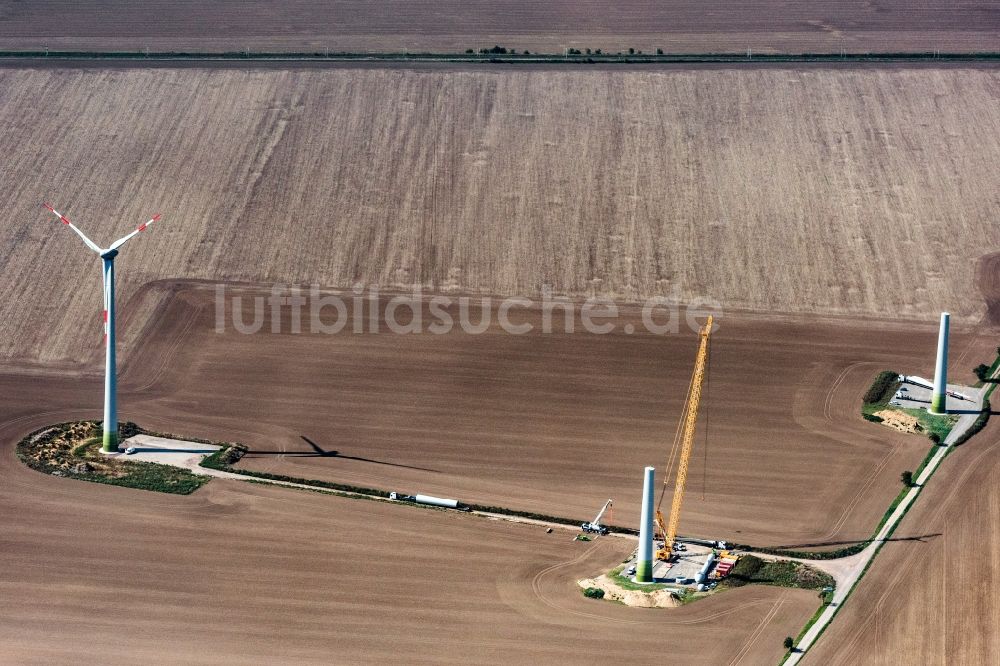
[594, 526]
[684, 437]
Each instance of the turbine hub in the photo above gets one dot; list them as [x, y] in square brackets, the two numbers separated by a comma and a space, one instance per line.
[109, 254]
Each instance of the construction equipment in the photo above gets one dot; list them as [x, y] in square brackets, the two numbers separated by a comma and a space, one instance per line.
[662, 553]
[684, 438]
[594, 526]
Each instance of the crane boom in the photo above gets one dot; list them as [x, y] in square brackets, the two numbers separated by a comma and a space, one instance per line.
[600, 514]
[595, 526]
[690, 419]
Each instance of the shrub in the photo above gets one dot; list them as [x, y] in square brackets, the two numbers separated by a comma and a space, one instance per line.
[907, 478]
[934, 437]
[981, 371]
[659, 51]
[593, 593]
[873, 418]
[789, 643]
[882, 388]
[751, 569]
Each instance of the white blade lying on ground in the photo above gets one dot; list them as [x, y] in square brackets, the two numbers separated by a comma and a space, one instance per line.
[65, 220]
[121, 241]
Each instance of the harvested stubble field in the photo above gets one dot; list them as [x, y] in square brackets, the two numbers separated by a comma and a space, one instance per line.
[552, 423]
[454, 25]
[240, 573]
[819, 190]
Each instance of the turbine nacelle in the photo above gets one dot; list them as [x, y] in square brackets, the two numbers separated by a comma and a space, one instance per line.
[109, 254]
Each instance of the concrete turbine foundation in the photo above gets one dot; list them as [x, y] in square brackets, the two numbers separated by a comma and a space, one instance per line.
[644, 562]
[939, 398]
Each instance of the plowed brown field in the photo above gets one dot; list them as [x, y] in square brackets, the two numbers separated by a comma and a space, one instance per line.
[454, 25]
[239, 573]
[867, 192]
[930, 596]
[553, 423]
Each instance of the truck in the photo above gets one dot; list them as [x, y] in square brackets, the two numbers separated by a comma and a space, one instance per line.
[594, 526]
[429, 500]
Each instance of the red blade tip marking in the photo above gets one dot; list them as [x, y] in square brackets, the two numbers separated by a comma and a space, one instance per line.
[142, 227]
[156, 217]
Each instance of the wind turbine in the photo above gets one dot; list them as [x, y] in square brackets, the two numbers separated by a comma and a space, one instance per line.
[110, 443]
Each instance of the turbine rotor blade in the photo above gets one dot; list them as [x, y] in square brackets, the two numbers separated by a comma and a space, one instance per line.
[142, 227]
[91, 244]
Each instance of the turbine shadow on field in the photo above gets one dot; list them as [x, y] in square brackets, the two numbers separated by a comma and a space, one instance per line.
[319, 452]
[852, 542]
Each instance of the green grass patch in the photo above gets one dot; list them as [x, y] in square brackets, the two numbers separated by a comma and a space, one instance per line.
[70, 450]
[940, 424]
[754, 570]
[627, 584]
[87, 443]
[881, 392]
[826, 600]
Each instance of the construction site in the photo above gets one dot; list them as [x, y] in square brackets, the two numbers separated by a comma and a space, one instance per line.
[453, 333]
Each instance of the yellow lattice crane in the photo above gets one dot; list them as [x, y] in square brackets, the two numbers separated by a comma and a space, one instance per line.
[684, 440]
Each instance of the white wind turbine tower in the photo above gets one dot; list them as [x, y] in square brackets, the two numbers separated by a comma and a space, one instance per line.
[110, 444]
